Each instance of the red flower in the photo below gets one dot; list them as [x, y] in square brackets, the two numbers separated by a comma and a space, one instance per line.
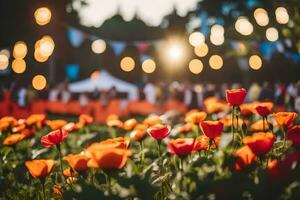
[245, 157]
[235, 97]
[293, 134]
[264, 109]
[159, 131]
[260, 142]
[285, 118]
[53, 138]
[211, 129]
[181, 146]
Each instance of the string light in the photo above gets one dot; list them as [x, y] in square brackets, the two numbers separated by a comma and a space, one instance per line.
[20, 50]
[261, 17]
[148, 66]
[196, 39]
[39, 57]
[196, 66]
[42, 16]
[243, 26]
[3, 61]
[216, 40]
[272, 34]
[18, 66]
[175, 52]
[127, 64]
[46, 46]
[217, 30]
[201, 50]
[39, 82]
[98, 46]
[216, 62]
[282, 16]
[95, 75]
[255, 62]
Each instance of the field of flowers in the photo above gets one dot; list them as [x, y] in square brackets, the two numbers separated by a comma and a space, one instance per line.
[230, 150]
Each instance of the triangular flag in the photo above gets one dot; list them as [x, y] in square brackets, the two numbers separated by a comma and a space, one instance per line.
[117, 47]
[142, 46]
[75, 36]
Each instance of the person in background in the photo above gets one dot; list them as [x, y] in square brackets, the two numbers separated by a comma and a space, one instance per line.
[65, 94]
[21, 97]
[297, 98]
[30, 95]
[292, 94]
[53, 93]
[83, 100]
[187, 94]
[280, 91]
[266, 93]
[253, 92]
[150, 92]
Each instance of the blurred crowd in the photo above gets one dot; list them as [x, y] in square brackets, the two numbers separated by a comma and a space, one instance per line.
[158, 93]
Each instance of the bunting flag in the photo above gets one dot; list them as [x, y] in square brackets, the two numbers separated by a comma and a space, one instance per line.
[295, 57]
[72, 71]
[142, 46]
[204, 28]
[267, 49]
[75, 36]
[117, 47]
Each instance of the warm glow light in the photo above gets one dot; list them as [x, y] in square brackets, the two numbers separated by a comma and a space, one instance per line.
[282, 16]
[261, 17]
[215, 62]
[45, 46]
[243, 26]
[5, 52]
[98, 46]
[196, 66]
[42, 16]
[39, 82]
[20, 50]
[255, 62]
[18, 66]
[201, 50]
[217, 40]
[127, 64]
[148, 66]
[217, 30]
[95, 75]
[196, 39]
[272, 34]
[175, 52]
[3, 61]
[39, 57]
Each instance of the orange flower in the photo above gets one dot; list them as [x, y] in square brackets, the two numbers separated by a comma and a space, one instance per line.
[152, 120]
[27, 132]
[259, 126]
[195, 117]
[68, 172]
[214, 105]
[260, 142]
[211, 129]
[69, 127]
[264, 109]
[159, 131]
[39, 168]
[112, 117]
[111, 158]
[285, 118]
[129, 124]
[78, 162]
[4, 126]
[119, 142]
[293, 134]
[36, 119]
[185, 128]
[56, 124]
[85, 119]
[227, 121]
[19, 126]
[11, 120]
[13, 139]
[235, 97]
[245, 157]
[247, 109]
[137, 135]
[115, 123]
[181, 146]
[57, 190]
[202, 142]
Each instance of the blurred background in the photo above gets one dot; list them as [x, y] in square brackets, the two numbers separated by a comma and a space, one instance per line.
[85, 46]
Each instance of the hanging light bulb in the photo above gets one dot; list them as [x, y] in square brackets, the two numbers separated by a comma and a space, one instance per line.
[261, 17]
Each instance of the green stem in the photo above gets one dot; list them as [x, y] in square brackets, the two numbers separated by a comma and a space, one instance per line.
[264, 126]
[108, 183]
[232, 123]
[284, 138]
[158, 146]
[43, 189]
[60, 162]
[142, 154]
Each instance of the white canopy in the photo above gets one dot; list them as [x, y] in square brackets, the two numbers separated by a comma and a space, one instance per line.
[105, 81]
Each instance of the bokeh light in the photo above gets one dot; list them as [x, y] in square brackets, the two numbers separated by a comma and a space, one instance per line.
[216, 62]
[148, 66]
[255, 62]
[196, 66]
[20, 50]
[5, 52]
[42, 16]
[217, 40]
[95, 75]
[217, 30]
[39, 82]
[175, 52]
[261, 17]
[39, 57]
[201, 50]
[98, 46]
[127, 64]
[196, 39]
[282, 16]
[272, 34]
[3, 61]
[46, 46]
[18, 66]
[243, 26]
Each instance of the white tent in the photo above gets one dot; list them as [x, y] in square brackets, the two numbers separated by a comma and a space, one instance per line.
[105, 81]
